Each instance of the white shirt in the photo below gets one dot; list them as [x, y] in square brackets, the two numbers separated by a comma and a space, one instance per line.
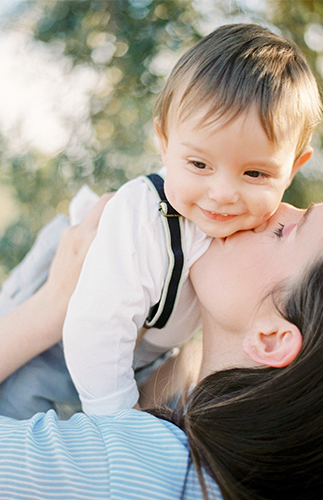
[122, 277]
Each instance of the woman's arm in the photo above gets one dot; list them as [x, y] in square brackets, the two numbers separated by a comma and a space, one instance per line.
[36, 324]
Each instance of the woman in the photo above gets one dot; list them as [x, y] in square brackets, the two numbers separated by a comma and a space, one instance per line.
[253, 428]
[257, 431]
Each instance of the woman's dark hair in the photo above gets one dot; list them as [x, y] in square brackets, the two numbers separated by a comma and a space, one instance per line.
[259, 432]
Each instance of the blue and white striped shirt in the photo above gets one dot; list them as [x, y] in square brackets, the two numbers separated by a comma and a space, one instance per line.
[132, 455]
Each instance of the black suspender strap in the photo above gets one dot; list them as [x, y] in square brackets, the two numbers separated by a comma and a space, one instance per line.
[173, 225]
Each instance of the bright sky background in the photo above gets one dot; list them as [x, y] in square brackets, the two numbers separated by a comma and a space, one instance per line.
[9, 5]
[41, 98]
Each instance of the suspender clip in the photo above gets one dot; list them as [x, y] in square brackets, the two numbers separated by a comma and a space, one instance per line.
[166, 209]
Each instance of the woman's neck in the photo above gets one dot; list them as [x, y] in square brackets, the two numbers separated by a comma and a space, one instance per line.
[221, 349]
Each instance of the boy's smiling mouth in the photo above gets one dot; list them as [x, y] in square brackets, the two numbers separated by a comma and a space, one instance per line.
[220, 217]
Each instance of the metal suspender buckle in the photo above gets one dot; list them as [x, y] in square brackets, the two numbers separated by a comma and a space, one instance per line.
[166, 209]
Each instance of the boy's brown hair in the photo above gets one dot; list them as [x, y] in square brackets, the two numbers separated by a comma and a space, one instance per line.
[236, 67]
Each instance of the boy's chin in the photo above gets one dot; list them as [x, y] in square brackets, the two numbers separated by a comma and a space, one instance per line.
[261, 228]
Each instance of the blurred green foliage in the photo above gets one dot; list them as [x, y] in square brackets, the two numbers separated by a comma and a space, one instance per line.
[130, 45]
[121, 41]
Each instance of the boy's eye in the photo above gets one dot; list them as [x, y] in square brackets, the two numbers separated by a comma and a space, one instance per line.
[199, 164]
[255, 174]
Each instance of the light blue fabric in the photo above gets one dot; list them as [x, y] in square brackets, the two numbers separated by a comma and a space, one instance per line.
[132, 455]
[41, 384]
[33, 270]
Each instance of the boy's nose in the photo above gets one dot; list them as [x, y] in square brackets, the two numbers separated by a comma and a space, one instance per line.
[224, 192]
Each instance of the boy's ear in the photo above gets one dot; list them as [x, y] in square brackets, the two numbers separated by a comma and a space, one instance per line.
[273, 342]
[161, 136]
[302, 159]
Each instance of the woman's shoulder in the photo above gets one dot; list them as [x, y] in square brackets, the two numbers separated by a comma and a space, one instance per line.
[140, 422]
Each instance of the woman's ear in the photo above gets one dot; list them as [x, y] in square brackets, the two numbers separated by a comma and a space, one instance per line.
[273, 342]
[160, 135]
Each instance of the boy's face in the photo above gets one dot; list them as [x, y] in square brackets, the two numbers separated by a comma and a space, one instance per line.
[226, 177]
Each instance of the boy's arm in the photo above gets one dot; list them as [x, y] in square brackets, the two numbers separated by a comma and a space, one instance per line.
[122, 277]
